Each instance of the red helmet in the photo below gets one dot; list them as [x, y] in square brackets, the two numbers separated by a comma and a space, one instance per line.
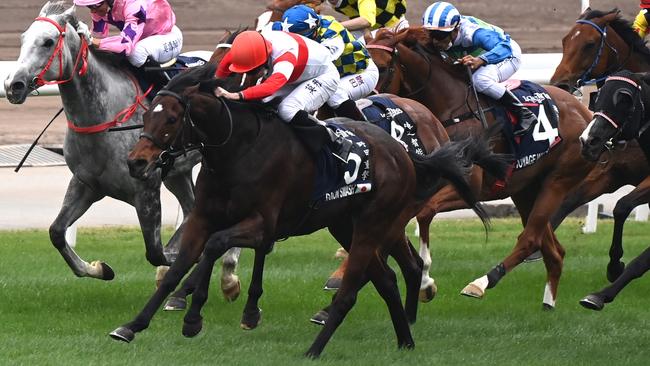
[249, 51]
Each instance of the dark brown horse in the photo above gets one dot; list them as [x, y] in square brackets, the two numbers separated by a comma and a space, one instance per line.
[537, 191]
[620, 115]
[255, 186]
[599, 44]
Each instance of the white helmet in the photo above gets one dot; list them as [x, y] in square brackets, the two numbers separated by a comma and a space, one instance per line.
[441, 16]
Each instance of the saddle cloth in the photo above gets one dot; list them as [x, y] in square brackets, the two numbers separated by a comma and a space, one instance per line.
[539, 140]
[335, 180]
[383, 112]
[159, 75]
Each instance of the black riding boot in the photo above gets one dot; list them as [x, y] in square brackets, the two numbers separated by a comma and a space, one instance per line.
[527, 119]
[314, 134]
[349, 110]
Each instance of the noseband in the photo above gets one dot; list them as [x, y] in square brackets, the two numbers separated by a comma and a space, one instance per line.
[82, 58]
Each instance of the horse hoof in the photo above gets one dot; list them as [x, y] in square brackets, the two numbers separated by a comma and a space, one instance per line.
[250, 320]
[231, 293]
[472, 290]
[107, 272]
[537, 255]
[614, 270]
[332, 284]
[427, 294]
[122, 334]
[407, 345]
[175, 304]
[192, 329]
[593, 302]
[320, 317]
[548, 307]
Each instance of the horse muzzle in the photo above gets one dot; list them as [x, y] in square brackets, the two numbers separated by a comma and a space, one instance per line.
[17, 90]
[142, 159]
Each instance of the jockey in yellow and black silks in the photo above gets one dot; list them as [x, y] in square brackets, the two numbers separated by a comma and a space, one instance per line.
[371, 14]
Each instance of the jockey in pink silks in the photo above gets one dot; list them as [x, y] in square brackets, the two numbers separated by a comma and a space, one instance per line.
[148, 29]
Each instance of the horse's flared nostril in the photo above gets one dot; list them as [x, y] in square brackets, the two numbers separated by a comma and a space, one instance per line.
[17, 86]
[582, 141]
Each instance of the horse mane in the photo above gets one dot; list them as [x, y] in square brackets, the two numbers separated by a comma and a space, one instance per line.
[623, 28]
[191, 77]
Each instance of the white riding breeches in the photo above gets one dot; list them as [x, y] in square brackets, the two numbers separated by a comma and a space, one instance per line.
[160, 48]
[487, 78]
[308, 95]
[355, 86]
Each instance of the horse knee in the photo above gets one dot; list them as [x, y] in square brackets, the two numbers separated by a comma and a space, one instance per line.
[57, 236]
[623, 209]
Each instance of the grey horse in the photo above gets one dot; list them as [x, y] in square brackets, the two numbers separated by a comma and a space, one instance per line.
[97, 92]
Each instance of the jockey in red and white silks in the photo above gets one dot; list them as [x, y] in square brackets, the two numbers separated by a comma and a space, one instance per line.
[148, 29]
[302, 70]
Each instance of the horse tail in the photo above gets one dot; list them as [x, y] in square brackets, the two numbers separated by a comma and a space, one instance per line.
[453, 162]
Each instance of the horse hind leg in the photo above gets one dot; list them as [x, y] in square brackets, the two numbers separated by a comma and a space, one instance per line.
[553, 255]
[78, 198]
[428, 288]
[230, 283]
[411, 266]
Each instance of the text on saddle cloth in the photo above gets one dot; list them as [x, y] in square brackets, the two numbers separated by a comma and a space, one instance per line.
[335, 180]
[384, 113]
[536, 143]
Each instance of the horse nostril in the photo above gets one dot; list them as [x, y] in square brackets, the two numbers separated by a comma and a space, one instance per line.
[136, 165]
[18, 86]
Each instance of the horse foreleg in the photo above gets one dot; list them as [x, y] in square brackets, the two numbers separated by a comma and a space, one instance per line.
[635, 269]
[193, 243]
[623, 208]
[252, 313]
[78, 198]
[181, 186]
[247, 233]
[147, 206]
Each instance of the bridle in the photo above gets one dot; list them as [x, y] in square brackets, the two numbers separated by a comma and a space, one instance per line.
[394, 58]
[170, 151]
[82, 58]
[586, 78]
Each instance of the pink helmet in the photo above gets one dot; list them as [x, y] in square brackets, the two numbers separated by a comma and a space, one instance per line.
[87, 2]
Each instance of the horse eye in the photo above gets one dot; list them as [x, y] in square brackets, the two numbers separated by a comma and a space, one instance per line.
[171, 120]
[48, 43]
[589, 46]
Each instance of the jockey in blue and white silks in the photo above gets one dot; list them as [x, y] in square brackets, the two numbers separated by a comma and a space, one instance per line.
[483, 47]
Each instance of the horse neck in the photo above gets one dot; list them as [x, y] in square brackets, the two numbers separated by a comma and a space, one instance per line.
[447, 89]
[629, 57]
[231, 129]
[98, 95]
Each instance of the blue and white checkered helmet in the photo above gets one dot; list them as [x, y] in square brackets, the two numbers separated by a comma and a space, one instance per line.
[441, 16]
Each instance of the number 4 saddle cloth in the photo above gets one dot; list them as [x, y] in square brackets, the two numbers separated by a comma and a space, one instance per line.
[544, 136]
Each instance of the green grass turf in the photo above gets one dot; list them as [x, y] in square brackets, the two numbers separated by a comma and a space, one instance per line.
[50, 317]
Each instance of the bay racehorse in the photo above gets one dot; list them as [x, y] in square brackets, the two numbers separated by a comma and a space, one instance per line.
[611, 45]
[241, 201]
[97, 93]
[620, 115]
[431, 78]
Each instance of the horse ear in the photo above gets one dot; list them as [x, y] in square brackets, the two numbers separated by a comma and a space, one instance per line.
[623, 98]
[42, 13]
[69, 14]
[367, 36]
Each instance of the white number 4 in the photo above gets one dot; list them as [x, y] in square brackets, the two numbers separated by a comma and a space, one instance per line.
[549, 132]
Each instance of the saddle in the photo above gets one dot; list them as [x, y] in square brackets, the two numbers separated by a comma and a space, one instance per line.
[155, 75]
